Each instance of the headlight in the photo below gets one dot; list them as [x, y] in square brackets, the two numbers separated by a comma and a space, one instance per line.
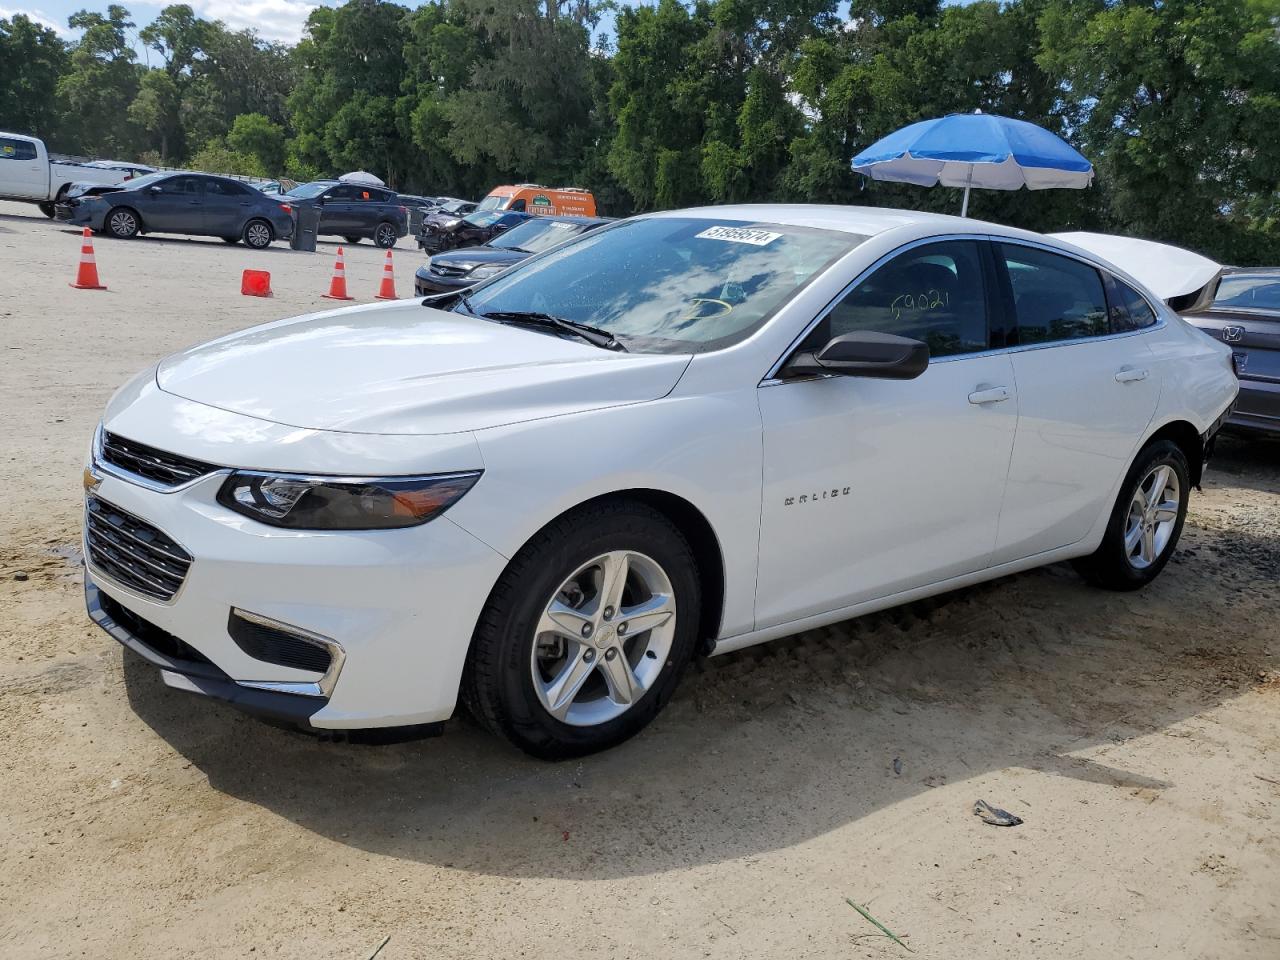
[342, 503]
[449, 224]
[485, 271]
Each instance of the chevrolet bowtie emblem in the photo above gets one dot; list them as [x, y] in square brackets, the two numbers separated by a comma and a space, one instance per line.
[90, 479]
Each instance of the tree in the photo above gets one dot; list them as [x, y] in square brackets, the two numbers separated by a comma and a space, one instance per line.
[155, 110]
[34, 58]
[254, 135]
[100, 83]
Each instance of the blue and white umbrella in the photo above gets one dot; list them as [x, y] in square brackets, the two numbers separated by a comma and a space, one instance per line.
[976, 150]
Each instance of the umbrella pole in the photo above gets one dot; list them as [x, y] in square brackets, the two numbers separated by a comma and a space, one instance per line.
[964, 204]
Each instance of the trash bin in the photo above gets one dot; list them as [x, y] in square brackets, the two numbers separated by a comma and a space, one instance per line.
[306, 221]
[415, 221]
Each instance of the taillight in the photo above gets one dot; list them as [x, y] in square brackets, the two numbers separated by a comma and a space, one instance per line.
[286, 208]
[404, 210]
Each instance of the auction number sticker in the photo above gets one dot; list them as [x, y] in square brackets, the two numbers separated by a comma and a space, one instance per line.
[757, 238]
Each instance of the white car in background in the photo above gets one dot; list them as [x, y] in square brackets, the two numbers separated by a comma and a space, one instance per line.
[698, 429]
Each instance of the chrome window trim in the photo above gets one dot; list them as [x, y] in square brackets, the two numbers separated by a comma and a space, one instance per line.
[771, 378]
[318, 688]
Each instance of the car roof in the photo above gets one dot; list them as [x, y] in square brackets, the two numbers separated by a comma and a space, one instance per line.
[865, 221]
[1252, 271]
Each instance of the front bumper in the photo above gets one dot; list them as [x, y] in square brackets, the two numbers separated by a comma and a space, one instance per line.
[402, 605]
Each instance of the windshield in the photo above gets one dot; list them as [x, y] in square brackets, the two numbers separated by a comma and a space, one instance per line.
[479, 219]
[669, 284]
[308, 191]
[494, 203]
[454, 206]
[1257, 292]
[144, 181]
[534, 236]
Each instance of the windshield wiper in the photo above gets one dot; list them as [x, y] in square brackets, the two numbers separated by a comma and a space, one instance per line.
[593, 335]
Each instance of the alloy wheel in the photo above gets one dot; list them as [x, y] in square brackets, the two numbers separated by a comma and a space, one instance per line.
[1153, 515]
[603, 638]
[123, 223]
[258, 235]
[386, 236]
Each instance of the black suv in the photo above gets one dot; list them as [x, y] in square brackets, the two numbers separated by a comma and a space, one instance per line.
[354, 211]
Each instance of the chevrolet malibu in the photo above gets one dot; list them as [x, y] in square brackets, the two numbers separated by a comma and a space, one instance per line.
[682, 433]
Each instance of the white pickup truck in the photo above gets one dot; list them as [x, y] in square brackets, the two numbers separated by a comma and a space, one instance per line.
[27, 173]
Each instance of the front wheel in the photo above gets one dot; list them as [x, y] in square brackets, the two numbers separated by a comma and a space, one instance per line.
[385, 236]
[122, 223]
[1146, 521]
[586, 633]
[47, 209]
[352, 240]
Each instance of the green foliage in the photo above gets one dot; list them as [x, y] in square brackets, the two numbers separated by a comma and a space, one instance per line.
[1177, 102]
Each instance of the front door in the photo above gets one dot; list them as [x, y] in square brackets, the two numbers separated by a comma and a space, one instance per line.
[338, 213]
[173, 206]
[875, 487]
[1087, 389]
[23, 173]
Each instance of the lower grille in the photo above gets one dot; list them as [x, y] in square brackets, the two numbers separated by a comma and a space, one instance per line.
[166, 469]
[274, 645]
[132, 552]
[161, 641]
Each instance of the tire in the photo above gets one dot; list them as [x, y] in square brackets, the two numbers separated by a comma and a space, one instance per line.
[509, 681]
[122, 223]
[1125, 561]
[230, 239]
[258, 234]
[385, 235]
[352, 240]
[47, 209]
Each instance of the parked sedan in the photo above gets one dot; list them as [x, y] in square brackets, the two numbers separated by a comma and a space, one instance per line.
[195, 204]
[691, 431]
[455, 269]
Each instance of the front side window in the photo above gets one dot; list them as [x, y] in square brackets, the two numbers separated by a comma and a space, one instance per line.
[669, 284]
[17, 149]
[1248, 292]
[187, 186]
[934, 294]
[1055, 298]
[342, 193]
[1129, 308]
[494, 202]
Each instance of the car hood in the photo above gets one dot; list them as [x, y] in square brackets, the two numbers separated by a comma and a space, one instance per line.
[1165, 270]
[402, 368]
[470, 257]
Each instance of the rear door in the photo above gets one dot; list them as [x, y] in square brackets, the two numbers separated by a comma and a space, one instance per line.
[1087, 389]
[22, 172]
[227, 205]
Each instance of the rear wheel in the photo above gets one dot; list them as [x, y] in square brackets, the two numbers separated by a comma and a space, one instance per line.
[257, 234]
[123, 223]
[1146, 521]
[385, 236]
[586, 633]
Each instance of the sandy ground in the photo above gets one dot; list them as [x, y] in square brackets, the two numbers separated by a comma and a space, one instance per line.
[1138, 735]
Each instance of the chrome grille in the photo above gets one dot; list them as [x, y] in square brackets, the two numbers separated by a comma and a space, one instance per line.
[166, 469]
[441, 270]
[132, 552]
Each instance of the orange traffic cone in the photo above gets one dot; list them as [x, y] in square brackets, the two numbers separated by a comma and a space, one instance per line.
[87, 275]
[338, 285]
[387, 289]
[255, 283]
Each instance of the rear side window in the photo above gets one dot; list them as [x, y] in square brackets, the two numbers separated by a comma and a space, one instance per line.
[226, 188]
[1129, 308]
[1055, 298]
[934, 293]
[16, 149]
[1245, 292]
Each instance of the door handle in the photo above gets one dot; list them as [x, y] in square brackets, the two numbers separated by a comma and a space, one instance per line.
[991, 395]
[1130, 374]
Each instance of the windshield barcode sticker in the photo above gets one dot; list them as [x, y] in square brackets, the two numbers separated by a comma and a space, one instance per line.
[758, 238]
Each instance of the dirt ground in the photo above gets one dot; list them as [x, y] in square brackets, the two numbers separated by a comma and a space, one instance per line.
[1138, 736]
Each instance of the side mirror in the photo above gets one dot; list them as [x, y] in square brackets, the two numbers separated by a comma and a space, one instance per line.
[863, 353]
[156, 189]
[500, 228]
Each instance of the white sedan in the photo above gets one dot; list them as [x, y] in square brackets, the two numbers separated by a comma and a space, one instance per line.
[686, 432]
